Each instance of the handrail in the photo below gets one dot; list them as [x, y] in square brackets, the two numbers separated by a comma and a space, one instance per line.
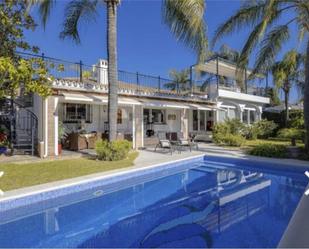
[29, 122]
[22, 106]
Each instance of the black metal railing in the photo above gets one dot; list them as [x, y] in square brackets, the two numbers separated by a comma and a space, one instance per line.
[138, 82]
[22, 123]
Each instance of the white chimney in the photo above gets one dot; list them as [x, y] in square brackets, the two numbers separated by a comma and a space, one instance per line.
[102, 77]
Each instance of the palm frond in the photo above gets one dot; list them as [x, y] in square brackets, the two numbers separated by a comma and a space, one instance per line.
[269, 13]
[247, 15]
[271, 45]
[228, 53]
[45, 7]
[74, 12]
[185, 18]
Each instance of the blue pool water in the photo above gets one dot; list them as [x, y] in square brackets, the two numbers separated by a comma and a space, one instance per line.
[212, 203]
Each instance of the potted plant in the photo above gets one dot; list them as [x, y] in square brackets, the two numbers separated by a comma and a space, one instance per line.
[4, 143]
[61, 136]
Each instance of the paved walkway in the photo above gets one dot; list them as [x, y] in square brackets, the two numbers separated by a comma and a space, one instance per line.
[149, 156]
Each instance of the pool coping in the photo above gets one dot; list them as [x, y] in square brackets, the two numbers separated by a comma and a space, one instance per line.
[50, 186]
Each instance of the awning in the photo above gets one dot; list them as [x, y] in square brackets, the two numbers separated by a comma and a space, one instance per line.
[97, 99]
[224, 68]
[164, 104]
[201, 107]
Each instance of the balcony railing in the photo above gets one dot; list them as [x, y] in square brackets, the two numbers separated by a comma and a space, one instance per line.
[79, 76]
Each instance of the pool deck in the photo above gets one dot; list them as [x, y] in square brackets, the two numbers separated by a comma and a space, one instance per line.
[149, 158]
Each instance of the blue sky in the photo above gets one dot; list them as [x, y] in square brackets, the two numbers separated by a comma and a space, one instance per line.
[144, 42]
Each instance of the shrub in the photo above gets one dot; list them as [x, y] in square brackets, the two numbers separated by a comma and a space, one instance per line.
[229, 140]
[296, 119]
[260, 129]
[269, 150]
[230, 126]
[250, 132]
[292, 133]
[265, 128]
[112, 151]
[235, 126]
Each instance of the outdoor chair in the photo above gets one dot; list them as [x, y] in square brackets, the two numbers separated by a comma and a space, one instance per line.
[164, 143]
[186, 142]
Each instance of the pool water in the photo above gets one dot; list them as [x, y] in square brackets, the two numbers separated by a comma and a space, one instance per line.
[210, 204]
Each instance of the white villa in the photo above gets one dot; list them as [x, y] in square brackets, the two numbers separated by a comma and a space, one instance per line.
[146, 106]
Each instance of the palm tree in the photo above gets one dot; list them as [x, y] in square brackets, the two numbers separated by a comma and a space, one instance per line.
[180, 80]
[229, 53]
[286, 73]
[271, 21]
[185, 19]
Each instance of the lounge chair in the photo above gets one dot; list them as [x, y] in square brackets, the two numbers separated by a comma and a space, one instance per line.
[186, 142]
[164, 143]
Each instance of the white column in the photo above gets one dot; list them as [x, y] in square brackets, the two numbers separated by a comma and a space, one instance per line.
[184, 122]
[45, 137]
[56, 120]
[240, 115]
[133, 127]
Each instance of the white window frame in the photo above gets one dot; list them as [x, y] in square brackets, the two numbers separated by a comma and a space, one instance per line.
[88, 114]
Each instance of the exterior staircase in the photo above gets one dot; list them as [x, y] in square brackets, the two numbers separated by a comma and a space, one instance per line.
[22, 123]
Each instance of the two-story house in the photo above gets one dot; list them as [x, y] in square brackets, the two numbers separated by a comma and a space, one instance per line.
[146, 105]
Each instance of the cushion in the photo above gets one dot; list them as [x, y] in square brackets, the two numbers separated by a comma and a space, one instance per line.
[165, 143]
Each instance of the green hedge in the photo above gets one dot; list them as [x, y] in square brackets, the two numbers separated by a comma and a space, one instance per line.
[233, 132]
[229, 140]
[112, 151]
[269, 150]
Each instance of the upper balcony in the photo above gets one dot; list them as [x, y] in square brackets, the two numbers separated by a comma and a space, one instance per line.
[219, 78]
[80, 77]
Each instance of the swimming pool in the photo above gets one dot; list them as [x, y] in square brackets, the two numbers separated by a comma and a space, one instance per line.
[201, 202]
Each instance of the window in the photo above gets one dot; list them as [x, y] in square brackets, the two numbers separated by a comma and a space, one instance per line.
[195, 120]
[119, 116]
[74, 113]
[158, 116]
[154, 116]
[202, 120]
[222, 115]
[245, 116]
[232, 113]
[252, 117]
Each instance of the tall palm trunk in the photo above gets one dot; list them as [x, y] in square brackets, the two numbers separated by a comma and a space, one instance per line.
[112, 67]
[286, 105]
[306, 98]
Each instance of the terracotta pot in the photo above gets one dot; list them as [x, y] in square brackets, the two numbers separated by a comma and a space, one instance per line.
[59, 149]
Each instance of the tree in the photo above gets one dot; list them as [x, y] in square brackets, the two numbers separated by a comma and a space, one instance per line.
[180, 80]
[184, 17]
[16, 73]
[229, 53]
[30, 75]
[286, 74]
[271, 22]
[272, 93]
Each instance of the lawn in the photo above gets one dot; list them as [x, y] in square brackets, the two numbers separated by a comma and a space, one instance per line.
[29, 174]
